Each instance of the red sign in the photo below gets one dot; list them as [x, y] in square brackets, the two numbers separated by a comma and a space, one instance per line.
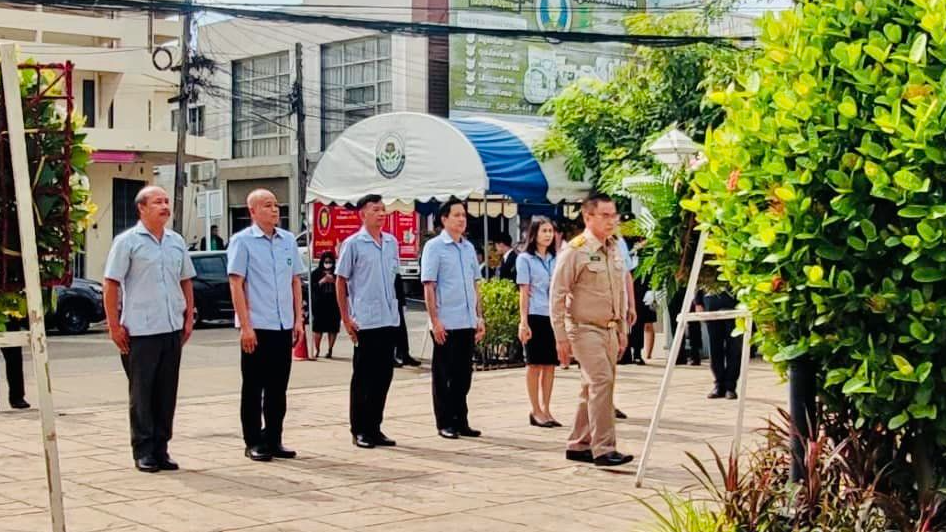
[332, 225]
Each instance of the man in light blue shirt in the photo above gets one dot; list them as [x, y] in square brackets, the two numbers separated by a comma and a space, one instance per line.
[367, 301]
[264, 266]
[148, 275]
[450, 273]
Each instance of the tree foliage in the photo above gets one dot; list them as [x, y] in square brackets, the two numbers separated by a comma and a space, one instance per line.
[825, 198]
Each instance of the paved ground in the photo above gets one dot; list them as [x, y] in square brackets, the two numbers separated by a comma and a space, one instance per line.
[514, 478]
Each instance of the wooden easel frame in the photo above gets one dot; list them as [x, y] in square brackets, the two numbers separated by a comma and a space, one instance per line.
[35, 336]
[683, 319]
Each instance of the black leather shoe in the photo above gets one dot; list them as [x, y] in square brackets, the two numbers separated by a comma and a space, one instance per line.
[554, 423]
[448, 433]
[258, 453]
[612, 459]
[536, 423]
[469, 433]
[715, 394]
[579, 456]
[398, 363]
[19, 404]
[147, 465]
[620, 415]
[281, 452]
[167, 464]
[731, 395]
[408, 360]
[362, 441]
[381, 440]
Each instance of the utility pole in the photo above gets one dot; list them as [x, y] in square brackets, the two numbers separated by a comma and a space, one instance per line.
[183, 99]
[302, 161]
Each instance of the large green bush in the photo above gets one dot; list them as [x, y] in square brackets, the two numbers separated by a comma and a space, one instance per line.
[824, 197]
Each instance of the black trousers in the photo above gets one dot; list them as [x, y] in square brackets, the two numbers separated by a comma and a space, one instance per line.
[372, 370]
[265, 380]
[153, 367]
[452, 369]
[13, 359]
[402, 348]
[725, 355]
[693, 332]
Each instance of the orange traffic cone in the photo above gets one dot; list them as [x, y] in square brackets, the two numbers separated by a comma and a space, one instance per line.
[300, 351]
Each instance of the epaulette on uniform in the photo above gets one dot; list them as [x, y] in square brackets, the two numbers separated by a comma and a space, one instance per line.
[578, 241]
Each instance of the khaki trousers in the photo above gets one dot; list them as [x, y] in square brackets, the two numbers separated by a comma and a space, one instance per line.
[596, 350]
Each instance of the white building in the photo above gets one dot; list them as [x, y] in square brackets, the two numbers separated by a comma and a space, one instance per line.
[348, 75]
[123, 97]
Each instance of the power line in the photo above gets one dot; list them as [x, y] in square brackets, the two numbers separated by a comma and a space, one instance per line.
[389, 26]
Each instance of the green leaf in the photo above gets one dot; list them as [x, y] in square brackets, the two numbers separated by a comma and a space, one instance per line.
[854, 385]
[856, 243]
[928, 275]
[836, 376]
[898, 421]
[918, 331]
[893, 32]
[902, 364]
[848, 107]
[922, 411]
[907, 180]
[928, 232]
[869, 230]
[913, 211]
[923, 371]
[918, 50]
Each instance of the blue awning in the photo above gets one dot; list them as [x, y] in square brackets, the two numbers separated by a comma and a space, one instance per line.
[511, 168]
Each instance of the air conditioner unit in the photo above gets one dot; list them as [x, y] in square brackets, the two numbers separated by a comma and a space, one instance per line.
[202, 173]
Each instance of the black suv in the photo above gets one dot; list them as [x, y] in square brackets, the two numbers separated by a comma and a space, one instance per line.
[77, 307]
[212, 300]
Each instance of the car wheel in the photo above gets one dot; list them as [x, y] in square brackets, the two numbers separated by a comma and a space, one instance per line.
[73, 320]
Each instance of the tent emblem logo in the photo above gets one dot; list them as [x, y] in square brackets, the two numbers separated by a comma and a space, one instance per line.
[389, 155]
[553, 15]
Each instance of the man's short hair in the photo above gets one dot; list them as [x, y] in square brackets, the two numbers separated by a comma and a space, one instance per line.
[446, 206]
[591, 202]
[212, 227]
[504, 238]
[141, 198]
[366, 199]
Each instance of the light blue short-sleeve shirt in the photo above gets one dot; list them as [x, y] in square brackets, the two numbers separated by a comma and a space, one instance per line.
[370, 269]
[268, 264]
[150, 272]
[453, 266]
[625, 254]
[536, 272]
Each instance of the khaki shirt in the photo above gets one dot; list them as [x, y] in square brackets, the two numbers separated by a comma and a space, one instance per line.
[588, 286]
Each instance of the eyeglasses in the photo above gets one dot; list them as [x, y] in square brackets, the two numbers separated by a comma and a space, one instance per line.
[607, 215]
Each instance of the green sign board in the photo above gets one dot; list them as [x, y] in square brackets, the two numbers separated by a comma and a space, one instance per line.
[491, 75]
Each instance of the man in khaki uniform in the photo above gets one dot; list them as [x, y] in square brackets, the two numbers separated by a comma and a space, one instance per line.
[589, 310]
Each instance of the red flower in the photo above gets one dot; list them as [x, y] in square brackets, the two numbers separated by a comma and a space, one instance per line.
[777, 283]
[733, 180]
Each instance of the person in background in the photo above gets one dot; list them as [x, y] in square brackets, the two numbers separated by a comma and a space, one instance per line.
[367, 266]
[13, 359]
[265, 270]
[149, 305]
[641, 342]
[216, 243]
[402, 348]
[326, 317]
[534, 269]
[451, 278]
[507, 261]
[481, 262]
[724, 348]
[590, 314]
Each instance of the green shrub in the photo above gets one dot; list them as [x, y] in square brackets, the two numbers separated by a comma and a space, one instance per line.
[500, 311]
[685, 515]
[825, 197]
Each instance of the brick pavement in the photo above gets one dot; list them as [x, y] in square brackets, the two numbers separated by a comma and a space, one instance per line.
[512, 479]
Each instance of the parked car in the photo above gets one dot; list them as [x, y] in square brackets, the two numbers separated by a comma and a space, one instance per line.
[77, 307]
[212, 300]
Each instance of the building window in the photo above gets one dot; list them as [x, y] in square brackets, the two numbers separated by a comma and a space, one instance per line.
[88, 102]
[124, 210]
[261, 109]
[195, 120]
[356, 83]
[240, 218]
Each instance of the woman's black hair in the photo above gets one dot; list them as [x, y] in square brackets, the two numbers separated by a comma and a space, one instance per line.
[533, 235]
